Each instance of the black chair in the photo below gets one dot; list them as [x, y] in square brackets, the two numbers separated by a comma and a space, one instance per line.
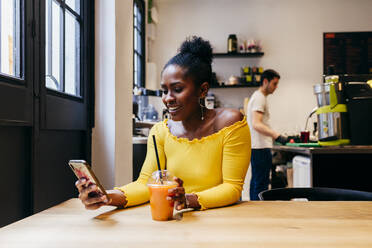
[314, 194]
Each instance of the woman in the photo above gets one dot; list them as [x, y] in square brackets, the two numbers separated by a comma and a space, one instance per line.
[209, 149]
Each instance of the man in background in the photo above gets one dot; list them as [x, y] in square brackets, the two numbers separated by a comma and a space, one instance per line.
[261, 133]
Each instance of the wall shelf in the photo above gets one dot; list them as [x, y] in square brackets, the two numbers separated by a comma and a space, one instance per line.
[233, 86]
[237, 55]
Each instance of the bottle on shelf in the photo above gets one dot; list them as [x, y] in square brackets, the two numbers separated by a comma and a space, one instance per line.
[232, 44]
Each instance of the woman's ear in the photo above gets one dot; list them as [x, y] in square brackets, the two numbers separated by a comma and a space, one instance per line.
[204, 87]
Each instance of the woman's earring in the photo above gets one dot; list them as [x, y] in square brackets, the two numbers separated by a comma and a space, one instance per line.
[201, 108]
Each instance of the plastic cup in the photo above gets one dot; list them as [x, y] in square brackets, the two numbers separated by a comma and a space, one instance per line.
[305, 136]
[161, 208]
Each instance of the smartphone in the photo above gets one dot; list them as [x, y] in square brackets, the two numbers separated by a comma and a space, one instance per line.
[82, 170]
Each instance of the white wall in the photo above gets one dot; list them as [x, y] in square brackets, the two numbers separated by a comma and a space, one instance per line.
[123, 91]
[112, 134]
[291, 35]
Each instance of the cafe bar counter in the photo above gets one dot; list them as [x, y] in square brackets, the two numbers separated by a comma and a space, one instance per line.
[348, 167]
[246, 224]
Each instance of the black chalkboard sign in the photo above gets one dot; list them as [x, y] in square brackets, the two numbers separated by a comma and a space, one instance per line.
[348, 52]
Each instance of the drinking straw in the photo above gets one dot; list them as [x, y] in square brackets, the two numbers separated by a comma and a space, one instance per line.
[157, 159]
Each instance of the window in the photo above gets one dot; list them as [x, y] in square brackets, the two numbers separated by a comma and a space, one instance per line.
[10, 38]
[62, 46]
[139, 43]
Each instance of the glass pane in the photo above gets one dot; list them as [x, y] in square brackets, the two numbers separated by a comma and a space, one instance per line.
[51, 83]
[135, 10]
[53, 45]
[135, 21]
[72, 55]
[74, 5]
[138, 39]
[56, 44]
[139, 17]
[10, 37]
[135, 69]
[139, 22]
[139, 70]
[135, 40]
[139, 48]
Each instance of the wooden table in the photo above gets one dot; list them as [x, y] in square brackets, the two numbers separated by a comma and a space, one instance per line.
[247, 224]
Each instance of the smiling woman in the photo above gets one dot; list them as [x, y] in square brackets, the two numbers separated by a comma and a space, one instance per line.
[208, 150]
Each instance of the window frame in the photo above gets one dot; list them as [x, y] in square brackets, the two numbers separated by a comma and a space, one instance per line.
[142, 32]
[78, 17]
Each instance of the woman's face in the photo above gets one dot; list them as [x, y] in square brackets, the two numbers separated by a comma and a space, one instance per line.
[180, 95]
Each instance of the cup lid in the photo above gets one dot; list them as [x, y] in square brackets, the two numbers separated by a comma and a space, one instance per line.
[155, 177]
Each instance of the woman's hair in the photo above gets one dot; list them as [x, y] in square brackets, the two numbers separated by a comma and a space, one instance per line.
[195, 56]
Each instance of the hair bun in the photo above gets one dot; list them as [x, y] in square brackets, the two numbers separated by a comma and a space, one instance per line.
[197, 47]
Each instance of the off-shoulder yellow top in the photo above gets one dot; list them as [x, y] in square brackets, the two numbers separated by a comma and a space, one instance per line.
[213, 167]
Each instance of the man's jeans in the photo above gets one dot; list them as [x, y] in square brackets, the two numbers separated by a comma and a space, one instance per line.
[261, 162]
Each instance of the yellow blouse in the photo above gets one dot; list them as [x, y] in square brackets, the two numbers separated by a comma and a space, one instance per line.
[213, 167]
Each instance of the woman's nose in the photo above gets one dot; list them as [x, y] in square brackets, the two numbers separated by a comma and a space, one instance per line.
[168, 98]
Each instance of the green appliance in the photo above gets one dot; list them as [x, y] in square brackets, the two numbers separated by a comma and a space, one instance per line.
[332, 113]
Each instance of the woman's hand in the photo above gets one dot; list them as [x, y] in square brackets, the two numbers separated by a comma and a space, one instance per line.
[177, 195]
[180, 199]
[90, 195]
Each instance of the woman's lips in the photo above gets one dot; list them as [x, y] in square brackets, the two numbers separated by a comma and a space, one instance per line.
[173, 109]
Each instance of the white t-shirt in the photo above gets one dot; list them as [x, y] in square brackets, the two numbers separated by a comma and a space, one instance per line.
[258, 102]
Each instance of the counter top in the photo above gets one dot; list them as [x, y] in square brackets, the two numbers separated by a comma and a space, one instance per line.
[139, 140]
[145, 124]
[325, 149]
[281, 224]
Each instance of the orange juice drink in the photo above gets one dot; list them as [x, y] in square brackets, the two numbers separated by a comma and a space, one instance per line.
[161, 208]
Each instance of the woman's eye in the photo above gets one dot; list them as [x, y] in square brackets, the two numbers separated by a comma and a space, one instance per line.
[178, 89]
[164, 92]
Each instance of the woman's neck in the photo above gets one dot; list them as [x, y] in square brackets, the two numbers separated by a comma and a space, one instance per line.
[195, 121]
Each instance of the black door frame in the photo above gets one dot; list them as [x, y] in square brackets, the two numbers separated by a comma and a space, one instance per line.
[57, 112]
[23, 108]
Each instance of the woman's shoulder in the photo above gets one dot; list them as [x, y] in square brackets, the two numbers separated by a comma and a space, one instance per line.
[226, 117]
[159, 128]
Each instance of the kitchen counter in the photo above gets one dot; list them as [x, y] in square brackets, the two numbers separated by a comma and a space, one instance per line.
[139, 139]
[348, 167]
[326, 149]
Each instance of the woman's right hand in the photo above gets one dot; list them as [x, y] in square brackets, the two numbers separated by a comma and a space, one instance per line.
[90, 195]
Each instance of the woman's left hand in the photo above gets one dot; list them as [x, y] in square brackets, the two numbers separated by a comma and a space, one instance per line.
[177, 195]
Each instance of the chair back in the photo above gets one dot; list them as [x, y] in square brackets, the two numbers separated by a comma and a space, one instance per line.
[315, 194]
